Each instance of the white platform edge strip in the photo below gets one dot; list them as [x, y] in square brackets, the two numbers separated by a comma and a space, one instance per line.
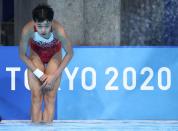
[99, 121]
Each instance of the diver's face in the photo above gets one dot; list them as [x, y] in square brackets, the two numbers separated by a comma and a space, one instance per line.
[43, 28]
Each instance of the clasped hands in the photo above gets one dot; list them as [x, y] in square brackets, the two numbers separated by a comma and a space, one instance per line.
[48, 81]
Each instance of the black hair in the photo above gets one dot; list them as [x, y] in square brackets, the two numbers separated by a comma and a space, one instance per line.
[42, 12]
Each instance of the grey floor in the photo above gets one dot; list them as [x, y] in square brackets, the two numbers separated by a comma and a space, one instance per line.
[90, 125]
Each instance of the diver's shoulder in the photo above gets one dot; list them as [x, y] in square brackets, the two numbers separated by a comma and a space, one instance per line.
[28, 28]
